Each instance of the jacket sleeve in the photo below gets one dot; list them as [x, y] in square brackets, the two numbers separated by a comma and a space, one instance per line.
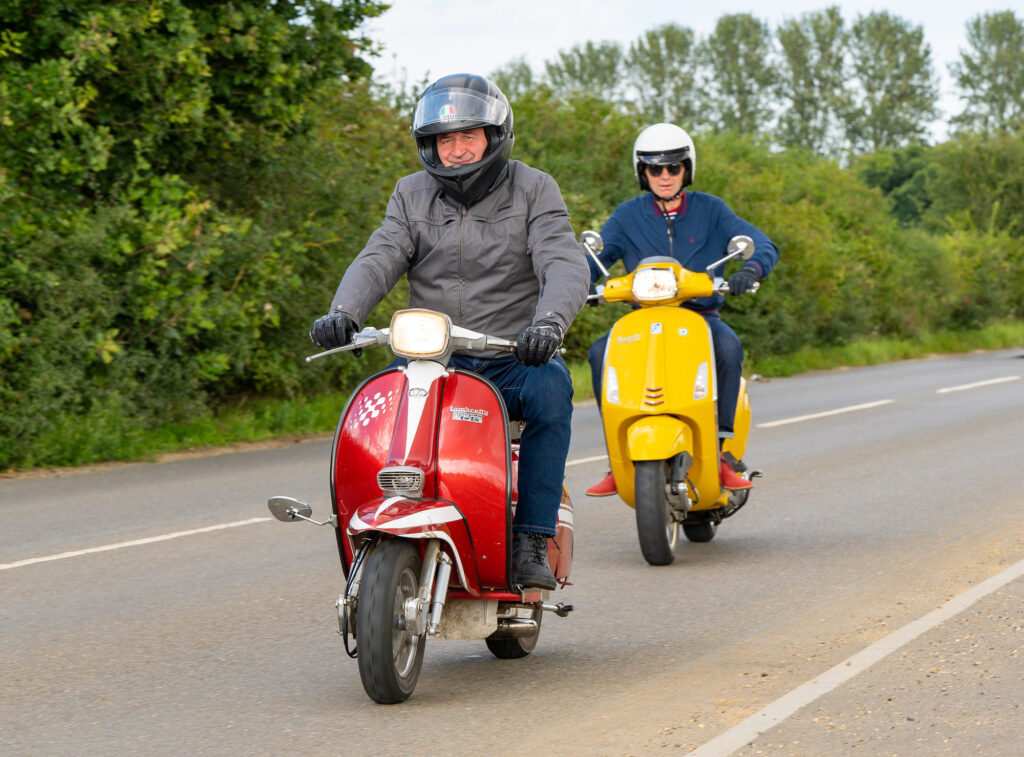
[557, 259]
[766, 254]
[378, 267]
[614, 238]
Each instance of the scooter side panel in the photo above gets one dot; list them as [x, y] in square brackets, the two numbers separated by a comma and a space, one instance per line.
[741, 424]
[474, 468]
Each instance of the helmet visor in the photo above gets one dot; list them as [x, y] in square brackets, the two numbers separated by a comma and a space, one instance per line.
[663, 158]
[455, 109]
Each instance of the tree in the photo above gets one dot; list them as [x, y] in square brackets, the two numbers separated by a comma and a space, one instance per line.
[588, 70]
[515, 78]
[990, 75]
[740, 74]
[894, 90]
[812, 76]
[91, 91]
[662, 68]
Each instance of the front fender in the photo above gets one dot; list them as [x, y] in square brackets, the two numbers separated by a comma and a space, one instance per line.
[421, 519]
[658, 437]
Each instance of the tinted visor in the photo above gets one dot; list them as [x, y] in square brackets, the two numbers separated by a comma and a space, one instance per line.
[456, 109]
[664, 158]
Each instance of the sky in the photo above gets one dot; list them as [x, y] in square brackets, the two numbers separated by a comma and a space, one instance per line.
[422, 38]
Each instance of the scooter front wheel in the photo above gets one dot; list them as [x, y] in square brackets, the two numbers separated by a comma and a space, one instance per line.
[655, 524]
[390, 657]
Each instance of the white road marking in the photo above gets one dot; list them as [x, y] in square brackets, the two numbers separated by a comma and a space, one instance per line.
[178, 534]
[825, 414]
[133, 543]
[743, 733]
[976, 384]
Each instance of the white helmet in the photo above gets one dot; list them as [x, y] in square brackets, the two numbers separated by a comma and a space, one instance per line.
[663, 144]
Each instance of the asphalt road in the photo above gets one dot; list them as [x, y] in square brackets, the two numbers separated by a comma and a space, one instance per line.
[155, 608]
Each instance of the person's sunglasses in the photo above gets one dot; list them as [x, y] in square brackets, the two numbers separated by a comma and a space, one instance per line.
[674, 169]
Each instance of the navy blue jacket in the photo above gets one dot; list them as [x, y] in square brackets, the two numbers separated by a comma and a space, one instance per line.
[701, 232]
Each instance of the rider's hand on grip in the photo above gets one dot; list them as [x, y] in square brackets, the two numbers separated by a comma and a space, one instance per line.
[592, 298]
[537, 344]
[744, 279]
[333, 330]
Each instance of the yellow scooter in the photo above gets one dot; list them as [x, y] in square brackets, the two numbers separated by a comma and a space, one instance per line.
[659, 398]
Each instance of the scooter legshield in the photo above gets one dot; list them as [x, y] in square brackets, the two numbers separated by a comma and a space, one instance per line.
[651, 410]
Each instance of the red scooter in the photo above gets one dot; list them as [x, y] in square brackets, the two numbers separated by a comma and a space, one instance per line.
[423, 486]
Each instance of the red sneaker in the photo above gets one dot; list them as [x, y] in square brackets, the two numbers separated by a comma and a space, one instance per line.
[730, 479]
[604, 488]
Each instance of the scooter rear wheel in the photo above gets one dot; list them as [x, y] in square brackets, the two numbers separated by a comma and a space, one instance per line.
[655, 525]
[390, 657]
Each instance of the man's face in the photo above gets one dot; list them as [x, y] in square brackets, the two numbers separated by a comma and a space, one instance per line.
[666, 185]
[458, 147]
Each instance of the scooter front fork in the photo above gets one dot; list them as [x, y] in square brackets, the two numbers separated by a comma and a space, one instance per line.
[679, 468]
[423, 612]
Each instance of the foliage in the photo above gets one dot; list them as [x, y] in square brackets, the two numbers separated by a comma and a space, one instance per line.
[591, 69]
[663, 68]
[894, 92]
[812, 79]
[739, 74]
[990, 75]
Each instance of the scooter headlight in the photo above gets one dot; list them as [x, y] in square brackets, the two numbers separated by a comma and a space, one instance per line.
[419, 334]
[654, 284]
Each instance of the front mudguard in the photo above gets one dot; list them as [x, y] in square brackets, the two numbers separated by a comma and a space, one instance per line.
[658, 437]
[419, 519]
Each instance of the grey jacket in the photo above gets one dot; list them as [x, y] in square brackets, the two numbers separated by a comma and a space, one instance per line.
[498, 266]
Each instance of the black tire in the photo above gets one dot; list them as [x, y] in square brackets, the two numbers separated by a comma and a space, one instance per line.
[390, 658]
[513, 649]
[655, 526]
[700, 532]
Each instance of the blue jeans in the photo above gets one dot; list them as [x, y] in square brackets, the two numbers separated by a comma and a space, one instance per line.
[542, 397]
[728, 369]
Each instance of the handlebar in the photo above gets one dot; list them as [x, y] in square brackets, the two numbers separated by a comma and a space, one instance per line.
[722, 287]
[461, 339]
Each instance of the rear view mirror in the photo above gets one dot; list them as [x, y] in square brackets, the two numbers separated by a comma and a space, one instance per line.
[741, 246]
[592, 241]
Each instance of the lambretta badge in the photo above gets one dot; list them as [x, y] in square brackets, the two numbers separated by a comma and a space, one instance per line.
[628, 339]
[468, 414]
[417, 391]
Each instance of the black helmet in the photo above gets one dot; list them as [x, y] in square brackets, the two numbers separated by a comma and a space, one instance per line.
[457, 103]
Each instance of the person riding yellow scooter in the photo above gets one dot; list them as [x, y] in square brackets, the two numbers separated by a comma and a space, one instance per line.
[693, 228]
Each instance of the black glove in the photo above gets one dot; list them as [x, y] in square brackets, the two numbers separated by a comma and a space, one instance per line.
[537, 344]
[744, 279]
[592, 299]
[333, 330]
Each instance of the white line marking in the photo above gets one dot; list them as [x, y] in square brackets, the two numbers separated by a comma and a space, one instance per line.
[585, 460]
[976, 384]
[133, 543]
[743, 733]
[825, 414]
